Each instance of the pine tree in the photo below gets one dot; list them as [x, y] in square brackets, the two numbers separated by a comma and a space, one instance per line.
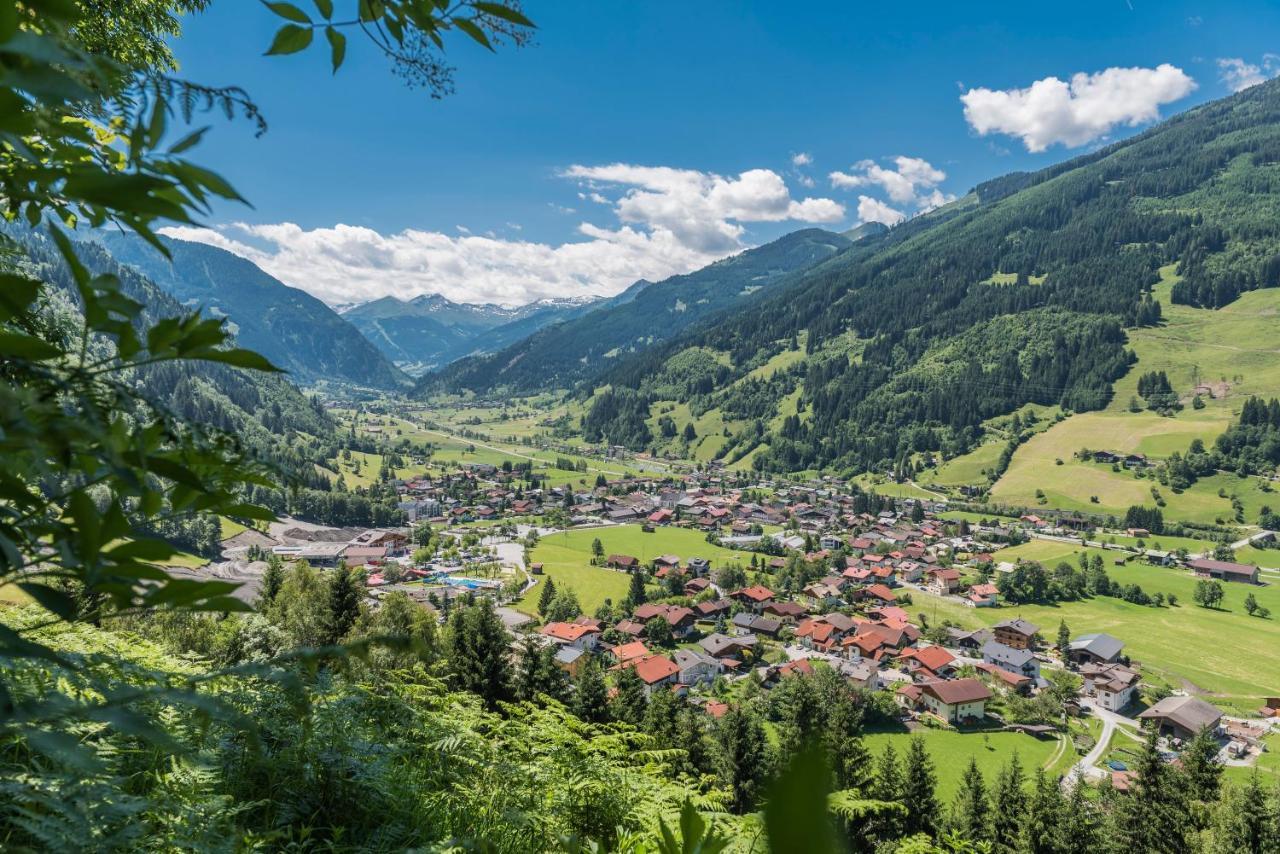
[919, 783]
[272, 580]
[1064, 641]
[1041, 825]
[1152, 817]
[971, 809]
[1244, 821]
[1200, 768]
[636, 594]
[886, 785]
[591, 696]
[743, 758]
[630, 702]
[1080, 830]
[548, 593]
[344, 603]
[479, 648]
[1010, 800]
[537, 673]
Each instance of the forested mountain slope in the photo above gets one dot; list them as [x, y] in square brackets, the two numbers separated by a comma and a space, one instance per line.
[1018, 294]
[568, 353]
[430, 331]
[293, 329]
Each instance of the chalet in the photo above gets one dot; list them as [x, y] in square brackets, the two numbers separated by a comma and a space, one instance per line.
[821, 593]
[880, 593]
[680, 619]
[625, 653]
[982, 596]
[629, 627]
[786, 612]
[1009, 680]
[861, 674]
[655, 672]
[723, 646]
[926, 664]
[943, 581]
[954, 700]
[1021, 661]
[1113, 686]
[694, 586]
[1224, 570]
[624, 562]
[1182, 717]
[712, 608]
[660, 517]
[570, 659]
[699, 567]
[572, 634]
[754, 597]
[1017, 633]
[666, 561]
[747, 623]
[1095, 648]
[696, 667]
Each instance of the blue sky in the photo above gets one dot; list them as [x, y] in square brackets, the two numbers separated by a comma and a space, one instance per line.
[488, 194]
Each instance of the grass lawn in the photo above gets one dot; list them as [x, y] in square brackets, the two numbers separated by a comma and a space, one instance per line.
[229, 527]
[566, 557]
[1267, 767]
[1219, 652]
[951, 751]
[1265, 558]
[970, 468]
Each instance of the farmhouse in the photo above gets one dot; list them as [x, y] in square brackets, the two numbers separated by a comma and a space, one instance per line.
[1021, 661]
[1095, 649]
[1112, 685]
[1017, 633]
[626, 562]
[955, 700]
[1182, 717]
[1224, 570]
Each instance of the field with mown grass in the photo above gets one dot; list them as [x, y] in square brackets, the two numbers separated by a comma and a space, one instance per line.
[992, 750]
[1224, 653]
[566, 558]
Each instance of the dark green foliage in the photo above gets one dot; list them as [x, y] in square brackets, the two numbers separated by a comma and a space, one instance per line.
[744, 757]
[618, 418]
[630, 702]
[1152, 818]
[547, 596]
[346, 587]
[590, 696]
[971, 809]
[918, 784]
[1010, 798]
[479, 652]
[1146, 518]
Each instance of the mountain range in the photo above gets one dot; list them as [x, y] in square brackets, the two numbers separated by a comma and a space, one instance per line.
[430, 331]
[293, 329]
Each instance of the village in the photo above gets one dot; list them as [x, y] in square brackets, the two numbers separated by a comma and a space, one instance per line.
[717, 591]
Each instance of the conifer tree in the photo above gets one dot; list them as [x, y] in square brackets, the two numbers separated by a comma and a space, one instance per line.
[743, 757]
[1064, 640]
[1201, 770]
[478, 652]
[1152, 817]
[630, 702]
[272, 580]
[547, 595]
[344, 603]
[971, 809]
[1041, 824]
[590, 696]
[1245, 821]
[636, 594]
[919, 783]
[1010, 799]
[1080, 830]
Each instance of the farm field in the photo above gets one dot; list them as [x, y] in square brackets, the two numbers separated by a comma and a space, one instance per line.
[1219, 652]
[951, 750]
[566, 558]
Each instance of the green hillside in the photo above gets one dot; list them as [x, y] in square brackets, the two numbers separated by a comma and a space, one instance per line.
[1055, 289]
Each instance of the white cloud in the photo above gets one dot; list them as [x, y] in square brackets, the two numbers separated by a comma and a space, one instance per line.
[1052, 111]
[672, 221]
[874, 210]
[1240, 75]
[913, 184]
[802, 158]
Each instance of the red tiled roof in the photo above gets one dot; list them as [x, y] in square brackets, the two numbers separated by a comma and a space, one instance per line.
[655, 668]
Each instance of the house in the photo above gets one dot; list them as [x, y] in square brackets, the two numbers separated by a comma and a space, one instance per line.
[655, 672]
[1095, 648]
[1017, 633]
[572, 634]
[634, 628]
[955, 700]
[754, 597]
[943, 581]
[786, 612]
[970, 641]
[1112, 685]
[1020, 661]
[668, 562]
[699, 567]
[712, 608]
[570, 659]
[1224, 570]
[1182, 717]
[625, 653]
[680, 619]
[745, 622]
[860, 673]
[723, 646]
[928, 663]
[694, 586]
[880, 593]
[696, 667]
[624, 562]
[982, 596]
[1015, 682]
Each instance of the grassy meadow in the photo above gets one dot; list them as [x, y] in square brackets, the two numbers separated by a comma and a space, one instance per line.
[566, 558]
